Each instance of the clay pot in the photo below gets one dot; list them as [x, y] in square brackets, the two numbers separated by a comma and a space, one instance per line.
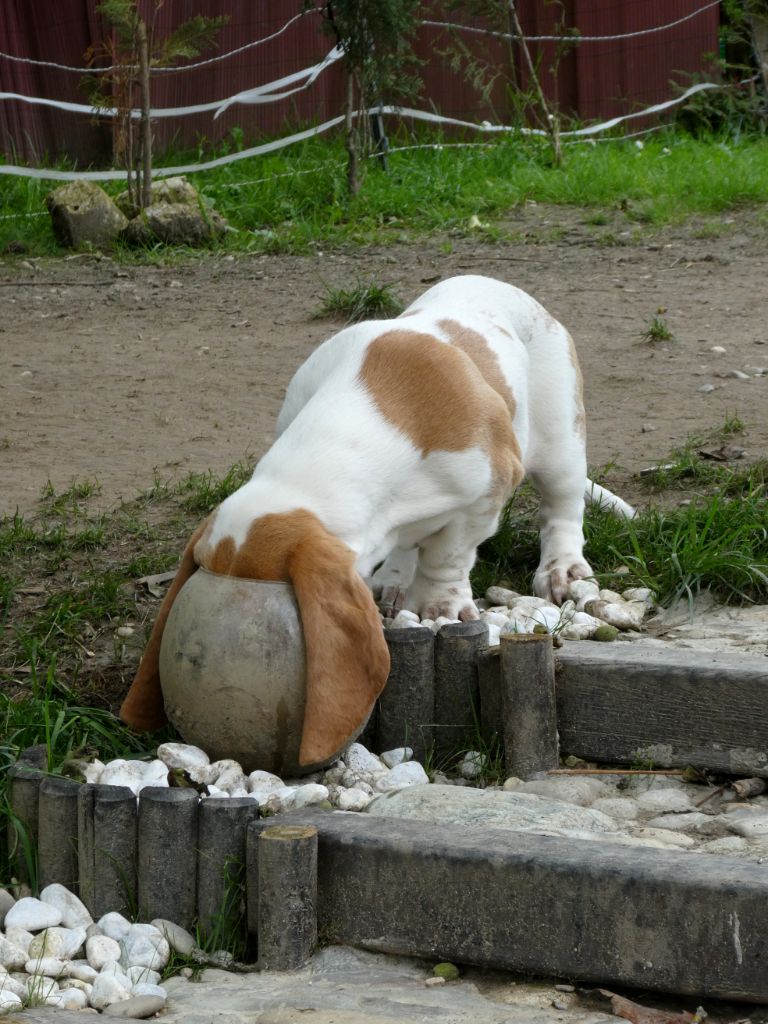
[233, 671]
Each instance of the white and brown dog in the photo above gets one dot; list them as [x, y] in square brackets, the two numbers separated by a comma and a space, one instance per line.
[397, 446]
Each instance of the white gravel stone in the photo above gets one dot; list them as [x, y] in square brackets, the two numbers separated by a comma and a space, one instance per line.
[495, 618]
[352, 799]
[472, 764]
[74, 913]
[360, 759]
[664, 801]
[124, 773]
[178, 938]
[692, 821]
[409, 773]
[136, 1008]
[48, 966]
[144, 975]
[263, 781]
[405, 620]
[81, 970]
[155, 774]
[6, 902]
[101, 949]
[106, 991]
[32, 914]
[500, 595]
[20, 937]
[227, 775]
[190, 759]
[146, 988]
[9, 1001]
[114, 925]
[620, 808]
[309, 795]
[41, 987]
[494, 635]
[141, 950]
[582, 591]
[571, 790]
[71, 982]
[9, 984]
[754, 826]
[441, 621]
[64, 943]
[12, 957]
[392, 757]
[115, 970]
[68, 999]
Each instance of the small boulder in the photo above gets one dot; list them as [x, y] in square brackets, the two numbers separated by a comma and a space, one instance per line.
[82, 214]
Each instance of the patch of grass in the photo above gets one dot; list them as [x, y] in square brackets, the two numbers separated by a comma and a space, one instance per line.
[658, 330]
[295, 200]
[361, 302]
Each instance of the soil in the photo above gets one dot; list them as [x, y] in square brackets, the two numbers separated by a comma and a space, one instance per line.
[121, 373]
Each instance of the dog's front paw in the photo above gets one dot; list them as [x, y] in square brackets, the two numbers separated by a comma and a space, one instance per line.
[552, 578]
[433, 600]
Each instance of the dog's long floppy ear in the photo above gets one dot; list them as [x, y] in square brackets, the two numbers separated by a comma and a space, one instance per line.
[143, 707]
[347, 655]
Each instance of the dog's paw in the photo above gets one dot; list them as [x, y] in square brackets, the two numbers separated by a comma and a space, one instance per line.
[432, 600]
[552, 578]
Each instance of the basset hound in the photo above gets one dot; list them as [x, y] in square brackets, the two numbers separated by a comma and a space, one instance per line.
[397, 446]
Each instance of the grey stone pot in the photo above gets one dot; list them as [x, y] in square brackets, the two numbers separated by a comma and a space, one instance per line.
[233, 671]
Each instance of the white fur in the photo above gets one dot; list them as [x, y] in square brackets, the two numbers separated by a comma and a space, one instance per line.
[337, 456]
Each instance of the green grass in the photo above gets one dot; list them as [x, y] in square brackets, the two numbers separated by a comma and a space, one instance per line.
[658, 330]
[361, 302]
[296, 199]
[717, 543]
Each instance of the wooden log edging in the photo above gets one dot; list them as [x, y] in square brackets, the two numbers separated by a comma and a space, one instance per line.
[166, 855]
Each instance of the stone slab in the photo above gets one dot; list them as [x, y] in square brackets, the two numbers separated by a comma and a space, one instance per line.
[674, 707]
[544, 905]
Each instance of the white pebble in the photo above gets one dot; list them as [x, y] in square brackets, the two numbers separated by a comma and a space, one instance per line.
[500, 595]
[190, 759]
[441, 621]
[106, 991]
[141, 950]
[621, 615]
[354, 799]
[410, 773]
[227, 775]
[405, 620]
[472, 764]
[19, 937]
[12, 957]
[146, 988]
[359, 759]
[49, 966]
[114, 925]
[68, 999]
[100, 950]
[145, 976]
[124, 773]
[92, 771]
[494, 635]
[74, 912]
[494, 618]
[155, 774]
[9, 1001]
[307, 796]
[32, 914]
[263, 781]
[82, 971]
[64, 943]
[392, 757]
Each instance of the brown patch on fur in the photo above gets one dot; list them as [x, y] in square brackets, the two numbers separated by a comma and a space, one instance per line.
[437, 395]
[482, 355]
[347, 656]
[580, 419]
[143, 708]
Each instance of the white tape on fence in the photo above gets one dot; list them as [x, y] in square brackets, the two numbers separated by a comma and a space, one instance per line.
[268, 93]
[417, 115]
[157, 71]
[566, 36]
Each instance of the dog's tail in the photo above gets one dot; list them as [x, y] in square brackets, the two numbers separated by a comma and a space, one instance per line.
[597, 495]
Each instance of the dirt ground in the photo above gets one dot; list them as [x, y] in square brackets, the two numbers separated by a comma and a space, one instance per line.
[118, 373]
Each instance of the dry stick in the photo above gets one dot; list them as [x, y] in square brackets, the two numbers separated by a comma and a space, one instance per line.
[146, 126]
[552, 121]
